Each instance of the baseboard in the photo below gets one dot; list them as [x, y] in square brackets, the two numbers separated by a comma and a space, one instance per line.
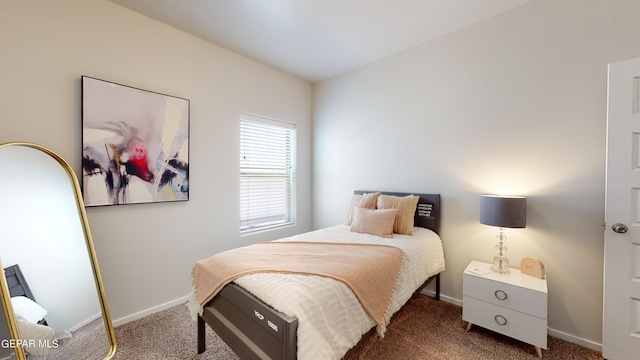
[451, 300]
[150, 311]
[574, 339]
[448, 299]
[85, 322]
[552, 332]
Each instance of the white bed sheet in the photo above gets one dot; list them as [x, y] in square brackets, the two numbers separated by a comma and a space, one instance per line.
[330, 317]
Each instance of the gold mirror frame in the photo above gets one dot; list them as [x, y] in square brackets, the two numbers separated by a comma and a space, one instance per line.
[4, 288]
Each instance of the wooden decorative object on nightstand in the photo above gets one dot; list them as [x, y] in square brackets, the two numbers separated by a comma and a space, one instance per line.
[532, 267]
[512, 304]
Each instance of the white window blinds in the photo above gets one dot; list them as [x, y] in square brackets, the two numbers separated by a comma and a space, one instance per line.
[267, 173]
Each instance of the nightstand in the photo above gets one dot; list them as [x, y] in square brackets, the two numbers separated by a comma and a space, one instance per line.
[512, 304]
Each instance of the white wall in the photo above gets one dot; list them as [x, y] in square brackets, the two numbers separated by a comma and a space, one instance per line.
[513, 105]
[146, 251]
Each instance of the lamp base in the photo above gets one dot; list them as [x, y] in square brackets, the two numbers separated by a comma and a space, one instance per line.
[500, 261]
[500, 270]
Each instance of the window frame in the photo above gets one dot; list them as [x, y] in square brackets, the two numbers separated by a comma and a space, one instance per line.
[267, 174]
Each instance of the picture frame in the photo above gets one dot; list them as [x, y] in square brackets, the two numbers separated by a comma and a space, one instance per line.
[135, 145]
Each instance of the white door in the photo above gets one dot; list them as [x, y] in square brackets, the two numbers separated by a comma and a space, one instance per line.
[621, 321]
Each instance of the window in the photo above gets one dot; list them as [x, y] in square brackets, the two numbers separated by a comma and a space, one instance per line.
[267, 173]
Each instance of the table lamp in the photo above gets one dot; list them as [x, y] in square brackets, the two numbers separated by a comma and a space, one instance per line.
[503, 212]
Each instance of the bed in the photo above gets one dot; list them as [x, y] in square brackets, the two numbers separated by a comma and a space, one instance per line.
[32, 325]
[268, 315]
[18, 286]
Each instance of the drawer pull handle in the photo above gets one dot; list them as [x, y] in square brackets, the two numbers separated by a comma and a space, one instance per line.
[501, 295]
[500, 320]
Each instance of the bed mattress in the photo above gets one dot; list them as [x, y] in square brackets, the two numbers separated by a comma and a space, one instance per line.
[330, 317]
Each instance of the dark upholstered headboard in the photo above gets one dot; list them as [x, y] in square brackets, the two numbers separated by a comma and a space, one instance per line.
[17, 284]
[428, 210]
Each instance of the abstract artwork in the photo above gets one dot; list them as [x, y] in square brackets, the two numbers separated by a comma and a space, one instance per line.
[135, 145]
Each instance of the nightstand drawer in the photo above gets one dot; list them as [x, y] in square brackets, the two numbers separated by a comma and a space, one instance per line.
[506, 295]
[527, 328]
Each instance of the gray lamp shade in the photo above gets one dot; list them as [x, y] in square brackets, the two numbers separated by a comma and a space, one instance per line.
[503, 211]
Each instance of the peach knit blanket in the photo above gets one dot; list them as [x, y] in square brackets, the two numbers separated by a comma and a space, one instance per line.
[369, 270]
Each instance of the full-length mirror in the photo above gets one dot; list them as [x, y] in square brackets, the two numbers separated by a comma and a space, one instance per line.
[52, 294]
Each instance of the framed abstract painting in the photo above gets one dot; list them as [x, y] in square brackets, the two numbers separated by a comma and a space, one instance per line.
[135, 145]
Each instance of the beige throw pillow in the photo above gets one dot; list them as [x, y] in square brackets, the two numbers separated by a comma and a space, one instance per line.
[406, 207]
[367, 201]
[374, 222]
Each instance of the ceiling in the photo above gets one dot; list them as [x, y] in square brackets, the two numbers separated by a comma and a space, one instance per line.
[317, 39]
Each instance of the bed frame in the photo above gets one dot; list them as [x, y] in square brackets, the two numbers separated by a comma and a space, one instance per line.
[254, 330]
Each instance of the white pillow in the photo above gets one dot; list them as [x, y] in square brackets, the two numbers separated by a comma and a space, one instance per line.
[28, 309]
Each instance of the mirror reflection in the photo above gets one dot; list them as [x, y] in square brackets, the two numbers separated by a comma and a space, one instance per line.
[48, 261]
[6, 352]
